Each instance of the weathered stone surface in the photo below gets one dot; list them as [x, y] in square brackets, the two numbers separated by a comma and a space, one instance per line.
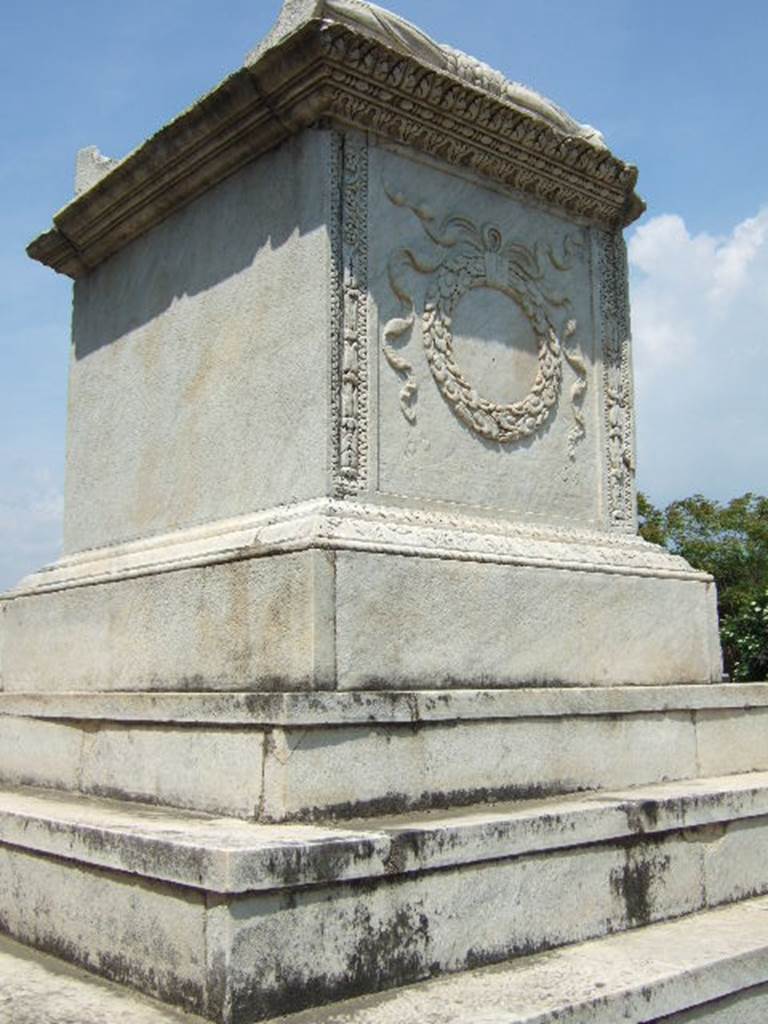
[740, 740]
[404, 623]
[143, 934]
[230, 856]
[352, 619]
[208, 769]
[717, 956]
[332, 66]
[174, 435]
[350, 530]
[747, 1007]
[411, 707]
[303, 915]
[642, 977]
[252, 624]
[90, 167]
[40, 989]
[271, 757]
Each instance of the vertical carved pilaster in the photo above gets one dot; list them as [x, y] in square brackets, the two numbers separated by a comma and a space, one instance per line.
[617, 381]
[349, 311]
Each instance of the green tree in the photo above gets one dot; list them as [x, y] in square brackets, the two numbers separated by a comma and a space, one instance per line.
[730, 541]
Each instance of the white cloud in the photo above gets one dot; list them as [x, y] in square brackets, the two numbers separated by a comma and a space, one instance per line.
[699, 312]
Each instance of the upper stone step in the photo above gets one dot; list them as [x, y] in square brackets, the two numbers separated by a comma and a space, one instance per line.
[338, 756]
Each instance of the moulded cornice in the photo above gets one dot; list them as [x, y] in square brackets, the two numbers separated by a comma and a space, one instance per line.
[328, 70]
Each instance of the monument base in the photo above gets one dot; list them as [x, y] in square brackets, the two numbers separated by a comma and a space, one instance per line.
[354, 596]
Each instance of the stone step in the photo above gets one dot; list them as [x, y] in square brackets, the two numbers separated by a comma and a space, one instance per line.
[242, 921]
[710, 967]
[283, 757]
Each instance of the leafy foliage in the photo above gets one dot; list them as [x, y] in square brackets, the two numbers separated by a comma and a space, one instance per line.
[730, 541]
[745, 640]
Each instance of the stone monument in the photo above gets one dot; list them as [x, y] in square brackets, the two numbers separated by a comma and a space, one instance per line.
[350, 533]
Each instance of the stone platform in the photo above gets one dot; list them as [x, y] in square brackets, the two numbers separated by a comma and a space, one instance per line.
[283, 757]
[709, 967]
[244, 921]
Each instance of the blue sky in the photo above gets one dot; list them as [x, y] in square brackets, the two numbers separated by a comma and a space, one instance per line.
[676, 87]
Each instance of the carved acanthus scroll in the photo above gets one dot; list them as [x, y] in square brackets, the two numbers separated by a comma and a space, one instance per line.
[469, 257]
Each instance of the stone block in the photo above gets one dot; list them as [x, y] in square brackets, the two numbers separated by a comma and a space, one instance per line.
[408, 616]
[729, 742]
[193, 351]
[37, 752]
[408, 623]
[733, 853]
[400, 767]
[214, 770]
[207, 769]
[255, 624]
[747, 1007]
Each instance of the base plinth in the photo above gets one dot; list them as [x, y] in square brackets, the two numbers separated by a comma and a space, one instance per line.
[351, 596]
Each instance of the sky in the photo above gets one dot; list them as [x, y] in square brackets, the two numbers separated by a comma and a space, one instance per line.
[676, 86]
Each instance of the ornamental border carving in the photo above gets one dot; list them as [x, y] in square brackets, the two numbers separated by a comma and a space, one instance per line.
[617, 380]
[349, 311]
[336, 524]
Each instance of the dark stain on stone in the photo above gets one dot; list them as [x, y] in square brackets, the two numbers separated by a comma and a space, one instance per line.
[650, 812]
[445, 681]
[158, 979]
[386, 954]
[399, 803]
[633, 883]
[321, 862]
[642, 817]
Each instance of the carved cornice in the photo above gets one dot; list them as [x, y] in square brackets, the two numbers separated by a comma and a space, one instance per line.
[330, 70]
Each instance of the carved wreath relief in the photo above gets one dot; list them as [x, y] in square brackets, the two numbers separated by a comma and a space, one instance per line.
[471, 257]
